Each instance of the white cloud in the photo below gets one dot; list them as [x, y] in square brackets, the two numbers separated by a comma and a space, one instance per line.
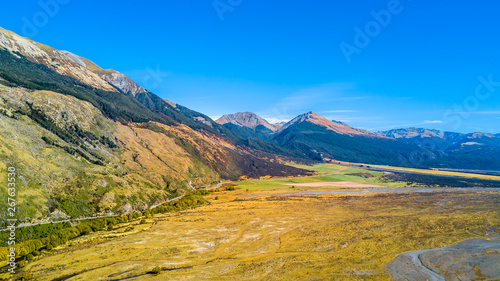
[304, 100]
[479, 112]
[273, 120]
[351, 119]
[406, 125]
[350, 98]
[339, 111]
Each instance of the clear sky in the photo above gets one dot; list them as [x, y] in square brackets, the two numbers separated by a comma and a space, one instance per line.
[375, 65]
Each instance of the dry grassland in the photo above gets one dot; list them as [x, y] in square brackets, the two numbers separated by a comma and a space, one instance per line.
[245, 237]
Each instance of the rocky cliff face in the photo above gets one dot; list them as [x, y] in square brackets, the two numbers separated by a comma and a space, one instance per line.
[121, 81]
[56, 60]
[115, 78]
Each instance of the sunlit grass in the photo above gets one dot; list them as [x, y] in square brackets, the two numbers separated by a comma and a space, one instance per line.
[437, 172]
[325, 173]
[239, 237]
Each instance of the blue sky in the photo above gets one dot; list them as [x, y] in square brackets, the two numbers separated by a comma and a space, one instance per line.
[408, 63]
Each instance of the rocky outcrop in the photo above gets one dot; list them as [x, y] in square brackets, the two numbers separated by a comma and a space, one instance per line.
[113, 77]
[121, 81]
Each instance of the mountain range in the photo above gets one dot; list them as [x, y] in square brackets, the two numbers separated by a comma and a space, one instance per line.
[474, 150]
[314, 137]
[87, 140]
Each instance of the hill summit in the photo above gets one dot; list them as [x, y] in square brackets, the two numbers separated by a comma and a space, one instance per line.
[246, 119]
[337, 127]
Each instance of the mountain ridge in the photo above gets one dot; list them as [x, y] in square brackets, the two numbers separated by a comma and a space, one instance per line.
[56, 60]
[338, 127]
[115, 78]
[471, 148]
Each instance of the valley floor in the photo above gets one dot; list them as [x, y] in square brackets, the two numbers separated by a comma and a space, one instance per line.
[251, 234]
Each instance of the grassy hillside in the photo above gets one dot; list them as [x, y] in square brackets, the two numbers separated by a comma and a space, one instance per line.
[74, 161]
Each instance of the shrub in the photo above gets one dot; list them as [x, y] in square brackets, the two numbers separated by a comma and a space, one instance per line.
[156, 270]
[21, 264]
[30, 257]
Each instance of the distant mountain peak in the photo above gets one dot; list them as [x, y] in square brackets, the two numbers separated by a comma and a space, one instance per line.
[246, 119]
[338, 127]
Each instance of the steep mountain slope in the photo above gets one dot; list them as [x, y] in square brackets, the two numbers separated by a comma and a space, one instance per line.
[178, 113]
[320, 139]
[22, 62]
[55, 60]
[248, 126]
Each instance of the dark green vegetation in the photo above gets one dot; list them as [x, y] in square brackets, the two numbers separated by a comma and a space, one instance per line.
[79, 198]
[486, 158]
[33, 232]
[439, 181]
[260, 132]
[25, 250]
[188, 201]
[182, 115]
[22, 72]
[316, 142]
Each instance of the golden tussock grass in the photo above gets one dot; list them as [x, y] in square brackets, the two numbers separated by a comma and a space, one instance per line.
[242, 236]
